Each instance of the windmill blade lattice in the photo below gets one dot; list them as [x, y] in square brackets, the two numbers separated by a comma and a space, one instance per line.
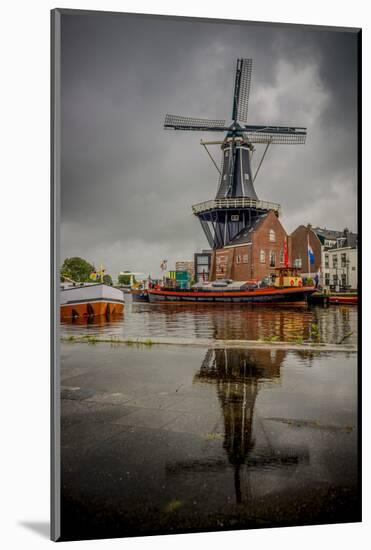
[275, 139]
[176, 122]
[276, 135]
[242, 90]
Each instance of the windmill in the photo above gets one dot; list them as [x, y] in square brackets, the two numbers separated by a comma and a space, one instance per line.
[236, 204]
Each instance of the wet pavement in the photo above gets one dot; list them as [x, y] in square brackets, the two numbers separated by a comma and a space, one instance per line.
[171, 439]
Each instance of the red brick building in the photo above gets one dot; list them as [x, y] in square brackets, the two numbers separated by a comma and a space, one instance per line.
[253, 253]
[298, 249]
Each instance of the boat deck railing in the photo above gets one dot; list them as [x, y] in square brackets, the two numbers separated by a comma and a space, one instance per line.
[235, 203]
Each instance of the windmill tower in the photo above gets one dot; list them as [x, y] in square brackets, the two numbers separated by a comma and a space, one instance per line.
[236, 205]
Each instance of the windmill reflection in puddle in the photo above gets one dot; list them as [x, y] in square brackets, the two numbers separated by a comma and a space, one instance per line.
[238, 375]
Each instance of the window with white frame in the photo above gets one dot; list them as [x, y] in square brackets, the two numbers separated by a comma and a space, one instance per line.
[262, 256]
[282, 258]
[272, 236]
[245, 258]
[238, 259]
[297, 262]
[272, 259]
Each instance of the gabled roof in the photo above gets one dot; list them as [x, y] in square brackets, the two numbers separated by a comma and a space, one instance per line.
[350, 239]
[245, 235]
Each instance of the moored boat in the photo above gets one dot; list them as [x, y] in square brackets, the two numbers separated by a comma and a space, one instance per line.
[284, 285]
[87, 300]
[139, 295]
[345, 298]
[220, 295]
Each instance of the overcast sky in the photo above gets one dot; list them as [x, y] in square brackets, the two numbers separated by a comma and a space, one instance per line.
[128, 185]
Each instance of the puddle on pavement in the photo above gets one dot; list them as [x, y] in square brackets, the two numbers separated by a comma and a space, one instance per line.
[183, 439]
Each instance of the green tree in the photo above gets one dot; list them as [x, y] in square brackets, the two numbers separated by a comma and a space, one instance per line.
[76, 269]
[107, 279]
[124, 279]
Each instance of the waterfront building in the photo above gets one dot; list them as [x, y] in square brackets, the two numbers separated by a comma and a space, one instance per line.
[326, 245]
[186, 265]
[202, 265]
[254, 253]
[340, 268]
[300, 239]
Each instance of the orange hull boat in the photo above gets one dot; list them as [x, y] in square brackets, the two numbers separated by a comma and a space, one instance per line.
[84, 301]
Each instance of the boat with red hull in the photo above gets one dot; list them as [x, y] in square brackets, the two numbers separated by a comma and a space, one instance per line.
[341, 299]
[256, 295]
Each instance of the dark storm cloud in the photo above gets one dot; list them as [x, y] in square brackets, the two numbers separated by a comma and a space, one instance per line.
[128, 186]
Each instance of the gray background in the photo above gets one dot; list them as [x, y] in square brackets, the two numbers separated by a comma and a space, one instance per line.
[127, 185]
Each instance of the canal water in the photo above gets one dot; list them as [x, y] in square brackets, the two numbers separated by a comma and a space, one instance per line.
[168, 439]
[236, 322]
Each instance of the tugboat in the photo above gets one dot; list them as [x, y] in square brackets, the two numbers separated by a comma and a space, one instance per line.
[284, 286]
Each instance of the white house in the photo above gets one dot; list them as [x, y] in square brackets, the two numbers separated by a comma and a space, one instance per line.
[340, 268]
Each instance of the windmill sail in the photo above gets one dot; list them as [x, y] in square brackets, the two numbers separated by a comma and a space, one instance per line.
[276, 135]
[242, 90]
[176, 122]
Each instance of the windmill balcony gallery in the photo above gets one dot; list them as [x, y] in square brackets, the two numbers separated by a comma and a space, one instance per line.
[235, 203]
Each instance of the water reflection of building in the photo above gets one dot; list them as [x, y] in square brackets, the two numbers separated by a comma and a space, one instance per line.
[254, 323]
[223, 322]
[237, 375]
